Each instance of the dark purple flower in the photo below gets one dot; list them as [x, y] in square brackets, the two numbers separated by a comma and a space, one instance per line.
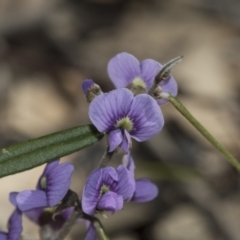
[106, 189]
[122, 116]
[51, 188]
[14, 227]
[145, 190]
[45, 217]
[125, 69]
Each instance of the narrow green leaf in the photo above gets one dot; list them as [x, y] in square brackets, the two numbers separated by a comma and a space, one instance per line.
[30, 154]
[32, 145]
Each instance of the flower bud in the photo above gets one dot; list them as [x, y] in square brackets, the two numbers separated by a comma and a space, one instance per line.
[90, 89]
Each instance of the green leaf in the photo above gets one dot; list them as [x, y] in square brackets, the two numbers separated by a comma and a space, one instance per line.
[30, 154]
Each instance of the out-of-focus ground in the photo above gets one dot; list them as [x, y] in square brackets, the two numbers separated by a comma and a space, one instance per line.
[47, 48]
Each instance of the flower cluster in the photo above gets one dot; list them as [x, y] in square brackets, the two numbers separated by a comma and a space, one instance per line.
[124, 113]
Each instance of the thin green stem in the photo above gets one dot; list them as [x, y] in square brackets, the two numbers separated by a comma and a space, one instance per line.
[106, 158]
[179, 106]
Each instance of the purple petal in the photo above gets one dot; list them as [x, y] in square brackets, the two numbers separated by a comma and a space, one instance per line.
[3, 236]
[125, 185]
[27, 200]
[49, 167]
[129, 163]
[34, 214]
[122, 69]
[149, 70]
[58, 183]
[110, 201]
[145, 191]
[106, 109]
[13, 197]
[91, 233]
[15, 225]
[126, 142]
[146, 116]
[115, 137]
[92, 188]
[88, 83]
[168, 86]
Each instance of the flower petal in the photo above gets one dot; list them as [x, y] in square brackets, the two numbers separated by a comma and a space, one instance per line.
[87, 83]
[58, 183]
[126, 142]
[145, 191]
[110, 202]
[15, 225]
[115, 137]
[3, 235]
[92, 188]
[146, 116]
[34, 214]
[168, 86]
[122, 69]
[125, 185]
[27, 200]
[129, 163]
[49, 167]
[91, 233]
[149, 70]
[106, 109]
[13, 197]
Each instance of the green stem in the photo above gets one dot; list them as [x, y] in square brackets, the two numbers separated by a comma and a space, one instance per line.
[106, 158]
[179, 106]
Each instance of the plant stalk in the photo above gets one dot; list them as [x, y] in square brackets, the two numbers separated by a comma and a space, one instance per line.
[180, 107]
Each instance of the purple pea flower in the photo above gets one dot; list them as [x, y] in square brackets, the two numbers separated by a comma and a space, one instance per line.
[51, 188]
[14, 227]
[122, 116]
[145, 190]
[106, 189]
[125, 69]
[45, 217]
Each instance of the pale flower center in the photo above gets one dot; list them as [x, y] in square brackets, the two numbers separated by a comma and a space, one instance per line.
[138, 82]
[104, 189]
[43, 182]
[125, 123]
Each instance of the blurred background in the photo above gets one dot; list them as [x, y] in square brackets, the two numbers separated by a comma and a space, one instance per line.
[47, 48]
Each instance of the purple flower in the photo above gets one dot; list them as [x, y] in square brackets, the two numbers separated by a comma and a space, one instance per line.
[45, 217]
[125, 69]
[121, 115]
[145, 190]
[14, 227]
[106, 189]
[51, 188]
